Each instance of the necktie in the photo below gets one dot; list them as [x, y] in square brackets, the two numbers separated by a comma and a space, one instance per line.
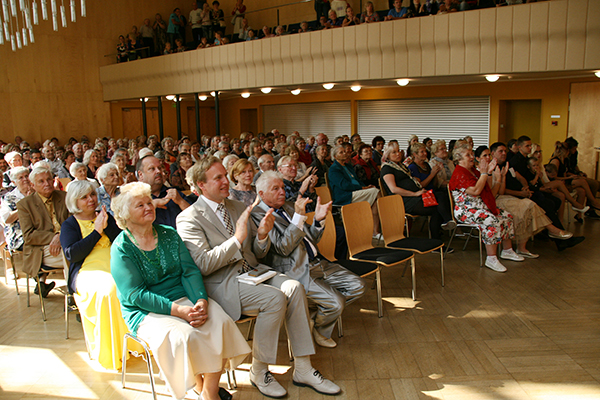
[309, 248]
[229, 226]
[50, 208]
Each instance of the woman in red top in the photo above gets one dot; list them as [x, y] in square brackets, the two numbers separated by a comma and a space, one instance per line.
[475, 203]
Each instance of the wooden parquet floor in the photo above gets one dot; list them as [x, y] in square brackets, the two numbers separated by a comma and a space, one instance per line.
[530, 333]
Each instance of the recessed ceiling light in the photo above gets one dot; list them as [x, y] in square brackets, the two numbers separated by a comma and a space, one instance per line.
[213, 93]
[296, 92]
[266, 90]
[144, 100]
[492, 78]
[402, 82]
[203, 97]
[170, 97]
[598, 74]
[245, 95]
[328, 86]
[355, 88]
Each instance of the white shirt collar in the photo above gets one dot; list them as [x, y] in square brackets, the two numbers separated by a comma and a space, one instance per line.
[212, 204]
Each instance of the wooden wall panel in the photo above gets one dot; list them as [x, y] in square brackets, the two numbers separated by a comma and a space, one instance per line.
[350, 53]
[521, 43]
[400, 48]
[388, 52]
[287, 65]
[305, 60]
[472, 43]
[538, 37]
[576, 30]
[375, 52]
[592, 42]
[328, 56]
[557, 41]
[487, 37]
[413, 45]
[428, 40]
[441, 58]
[275, 56]
[339, 57]
[318, 62]
[504, 39]
[584, 120]
[456, 33]
[362, 50]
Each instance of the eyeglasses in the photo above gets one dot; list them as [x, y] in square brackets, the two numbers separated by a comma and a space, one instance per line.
[289, 166]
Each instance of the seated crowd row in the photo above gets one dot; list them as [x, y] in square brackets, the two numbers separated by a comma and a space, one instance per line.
[156, 259]
[208, 25]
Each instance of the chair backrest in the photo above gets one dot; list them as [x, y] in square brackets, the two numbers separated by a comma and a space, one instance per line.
[326, 180]
[327, 243]
[384, 192]
[392, 218]
[358, 224]
[324, 193]
[452, 205]
[65, 182]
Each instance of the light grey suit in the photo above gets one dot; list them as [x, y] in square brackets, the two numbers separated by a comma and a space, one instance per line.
[218, 257]
[329, 285]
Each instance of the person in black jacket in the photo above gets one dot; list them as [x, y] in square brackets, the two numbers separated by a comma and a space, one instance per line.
[86, 237]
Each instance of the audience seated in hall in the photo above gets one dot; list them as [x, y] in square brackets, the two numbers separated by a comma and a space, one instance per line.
[288, 168]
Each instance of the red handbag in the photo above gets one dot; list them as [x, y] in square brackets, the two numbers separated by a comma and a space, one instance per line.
[429, 199]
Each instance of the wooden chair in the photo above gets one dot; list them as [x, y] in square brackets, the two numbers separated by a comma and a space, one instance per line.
[470, 226]
[326, 248]
[358, 222]
[64, 182]
[391, 215]
[9, 264]
[413, 217]
[231, 381]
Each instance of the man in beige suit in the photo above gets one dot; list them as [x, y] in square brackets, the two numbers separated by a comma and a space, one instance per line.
[41, 215]
[224, 242]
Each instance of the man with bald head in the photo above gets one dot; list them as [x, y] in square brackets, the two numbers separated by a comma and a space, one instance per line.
[168, 202]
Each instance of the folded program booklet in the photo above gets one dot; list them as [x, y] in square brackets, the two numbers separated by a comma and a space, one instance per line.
[255, 280]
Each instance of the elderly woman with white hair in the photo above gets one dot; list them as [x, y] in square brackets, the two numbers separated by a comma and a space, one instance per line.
[13, 159]
[165, 303]
[439, 156]
[86, 238]
[91, 159]
[108, 175]
[8, 208]
[79, 171]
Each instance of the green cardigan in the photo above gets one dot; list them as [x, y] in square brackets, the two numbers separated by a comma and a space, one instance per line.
[152, 282]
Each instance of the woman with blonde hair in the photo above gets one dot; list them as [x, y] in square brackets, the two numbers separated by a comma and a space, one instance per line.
[164, 301]
[242, 174]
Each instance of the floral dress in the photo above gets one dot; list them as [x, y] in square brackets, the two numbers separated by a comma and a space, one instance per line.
[495, 223]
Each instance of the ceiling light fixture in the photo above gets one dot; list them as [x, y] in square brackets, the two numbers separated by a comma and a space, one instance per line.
[245, 95]
[492, 78]
[402, 82]
[266, 90]
[203, 97]
[144, 100]
[170, 97]
[328, 86]
[296, 92]
[213, 93]
[597, 74]
[355, 88]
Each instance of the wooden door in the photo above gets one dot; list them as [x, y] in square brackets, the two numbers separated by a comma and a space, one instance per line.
[584, 123]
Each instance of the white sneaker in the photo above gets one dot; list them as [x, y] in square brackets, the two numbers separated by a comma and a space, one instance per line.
[323, 341]
[581, 210]
[510, 255]
[267, 385]
[495, 265]
[316, 382]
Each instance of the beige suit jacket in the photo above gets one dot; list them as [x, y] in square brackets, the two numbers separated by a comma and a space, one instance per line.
[216, 253]
[37, 227]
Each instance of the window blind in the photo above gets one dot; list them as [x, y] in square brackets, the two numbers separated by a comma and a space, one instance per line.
[332, 118]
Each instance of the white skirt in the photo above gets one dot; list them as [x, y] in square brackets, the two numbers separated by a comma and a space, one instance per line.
[182, 351]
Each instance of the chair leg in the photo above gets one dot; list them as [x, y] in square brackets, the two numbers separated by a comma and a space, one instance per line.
[28, 296]
[450, 242]
[8, 257]
[379, 299]
[250, 329]
[404, 270]
[468, 238]
[229, 384]
[67, 315]
[147, 357]
[413, 267]
[39, 286]
[480, 249]
[442, 264]
[340, 327]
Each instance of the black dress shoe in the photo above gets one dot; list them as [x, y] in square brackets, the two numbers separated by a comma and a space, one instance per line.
[565, 244]
[224, 394]
[46, 288]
